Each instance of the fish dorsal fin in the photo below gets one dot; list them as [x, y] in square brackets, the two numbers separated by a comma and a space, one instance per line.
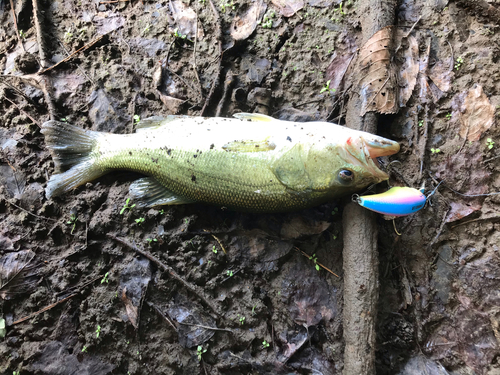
[254, 117]
[157, 121]
[249, 146]
[148, 192]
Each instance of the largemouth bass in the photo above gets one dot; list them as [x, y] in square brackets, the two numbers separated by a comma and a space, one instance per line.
[249, 163]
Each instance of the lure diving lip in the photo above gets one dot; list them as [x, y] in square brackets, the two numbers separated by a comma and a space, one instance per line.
[397, 201]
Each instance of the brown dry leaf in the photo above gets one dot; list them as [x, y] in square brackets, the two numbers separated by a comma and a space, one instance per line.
[441, 75]
[186, 20]
[132, 311]
[244, 25]
[134, 281]
[409, 70]
[377, 82]
[288, 7]
[17, 273]
[477, 114]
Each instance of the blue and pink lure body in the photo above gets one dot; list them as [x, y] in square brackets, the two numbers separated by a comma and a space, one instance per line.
[397, 201]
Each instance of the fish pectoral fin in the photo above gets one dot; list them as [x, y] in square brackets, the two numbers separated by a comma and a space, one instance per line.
[249, 146]
[291, 171]
[253, 117]
[147, 192]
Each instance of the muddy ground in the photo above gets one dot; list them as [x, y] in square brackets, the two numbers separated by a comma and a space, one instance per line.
[95, 306]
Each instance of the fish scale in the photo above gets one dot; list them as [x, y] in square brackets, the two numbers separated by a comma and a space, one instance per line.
[266, 165]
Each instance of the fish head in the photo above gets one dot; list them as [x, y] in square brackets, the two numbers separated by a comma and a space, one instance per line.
[349, 163]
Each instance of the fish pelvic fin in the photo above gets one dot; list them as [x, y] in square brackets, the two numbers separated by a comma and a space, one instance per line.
[71, 148]
[148, 192]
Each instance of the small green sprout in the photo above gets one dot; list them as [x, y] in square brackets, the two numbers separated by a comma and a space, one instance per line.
[200, 351]
[224, 5]
[253, 309]
[126, 206]
[162, 211]
[335, 211]
[136, 118]
[98, 331]
[105, 278]
[151, 240]
[146, 29]
[421, 123]
[140, 220]
[186, 221]
[326, 87]
[64, 119]
[314, 258]
[22, 34]
[84, 350]
[489, 143]
[68, 35]
[72, 220]
[435, 150]
[265, 344]
[214, 249]
[458, 63]
[177, 34]
[229, 273]
[448, 116]
[242, 319]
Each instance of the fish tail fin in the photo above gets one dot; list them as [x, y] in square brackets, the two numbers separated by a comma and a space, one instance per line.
[71, 148]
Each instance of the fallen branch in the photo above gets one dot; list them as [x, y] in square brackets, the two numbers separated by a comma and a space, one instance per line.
[193, 288]
[44, 309]
[15, 25]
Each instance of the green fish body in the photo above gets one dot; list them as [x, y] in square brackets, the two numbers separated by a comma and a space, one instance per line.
[249, 163]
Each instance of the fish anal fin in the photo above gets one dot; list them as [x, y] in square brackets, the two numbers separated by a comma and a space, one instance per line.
[254, 117]
[148, 192]
[249, 146]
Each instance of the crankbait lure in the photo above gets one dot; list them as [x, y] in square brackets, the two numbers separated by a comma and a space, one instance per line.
[397, 201]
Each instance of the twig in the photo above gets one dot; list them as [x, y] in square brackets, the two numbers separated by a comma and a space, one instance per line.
[150, 304]
[194, 57]
[220, 243]
[85, 47]
[15, 24]
[39, 35]
[44, 309]
[318, 263]
[228, 83]
[193, 288]
[206, 327]
[113, 1]
[406, 36]
[218, 34]
[30, 213]
[23, 112]
[443, 222]
[79, 67]
[476, 220]
[493, 158]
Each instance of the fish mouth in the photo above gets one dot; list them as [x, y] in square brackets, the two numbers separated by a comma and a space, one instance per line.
[371, 148]
[379, 146]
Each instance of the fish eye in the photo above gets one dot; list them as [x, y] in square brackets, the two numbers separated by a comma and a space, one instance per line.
[346, 175]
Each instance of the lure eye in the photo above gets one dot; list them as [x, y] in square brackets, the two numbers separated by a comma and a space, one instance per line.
[346, 175]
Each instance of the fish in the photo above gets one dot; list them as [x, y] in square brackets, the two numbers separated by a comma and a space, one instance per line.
[251, 162]
[397, 201]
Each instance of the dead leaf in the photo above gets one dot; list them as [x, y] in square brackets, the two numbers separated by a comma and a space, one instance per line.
[298, 226]
[244, 25]
[441, 76]
[459, 210]
[134, 282]
[377, 81]
[186, 20]
[13, 180]
[17, 273]
[191, 333]
[409, 71]
[476, 114]
[288, 7]
[341, 61]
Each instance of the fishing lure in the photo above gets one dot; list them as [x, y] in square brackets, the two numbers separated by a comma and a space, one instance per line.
[397, 201]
